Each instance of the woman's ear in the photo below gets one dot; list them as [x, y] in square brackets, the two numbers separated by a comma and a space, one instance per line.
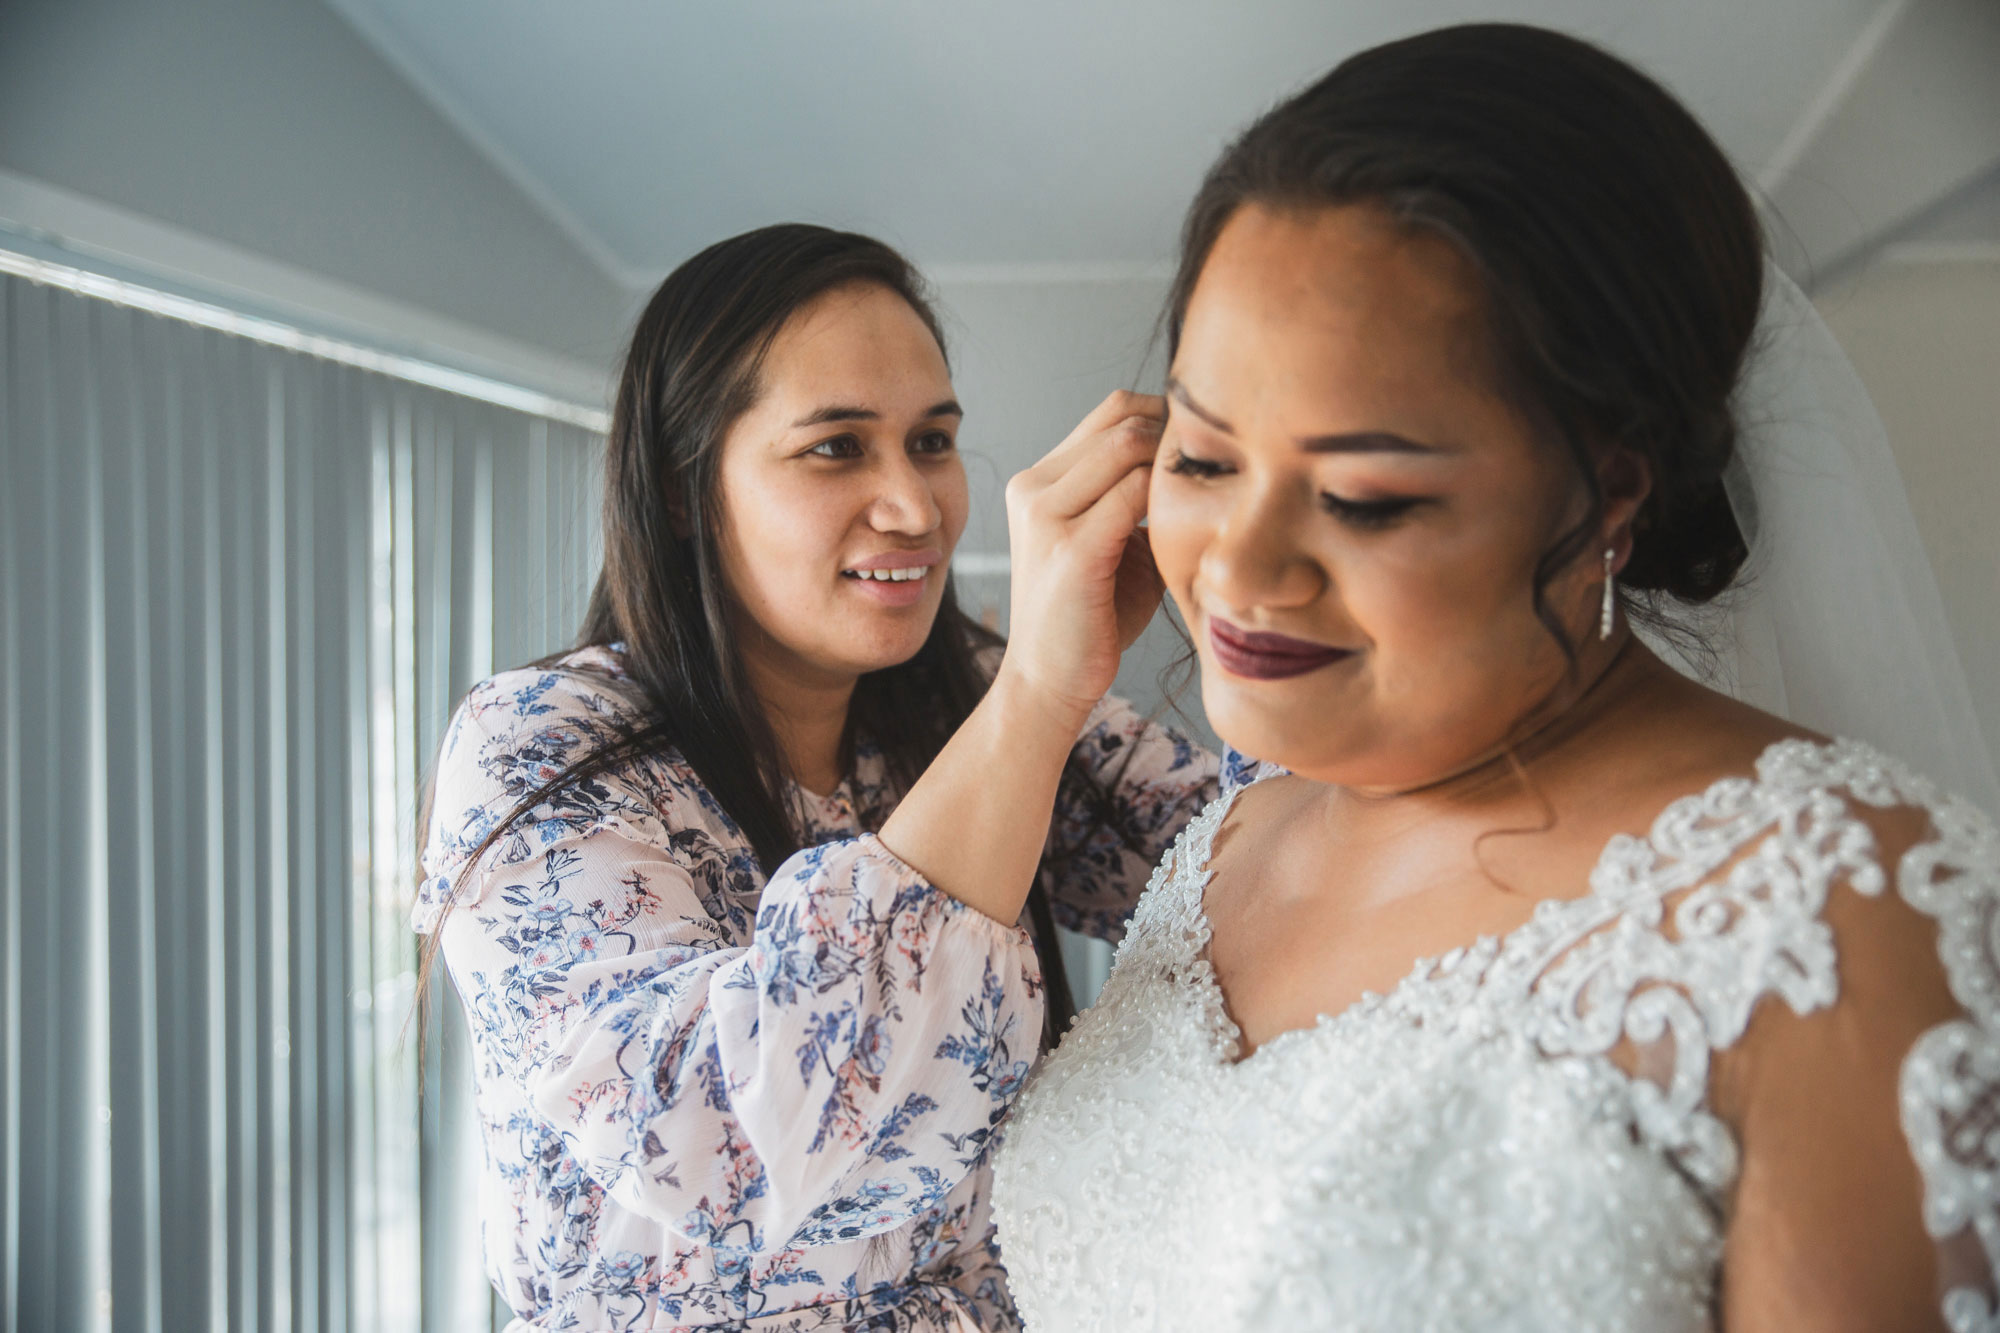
[1624, 479]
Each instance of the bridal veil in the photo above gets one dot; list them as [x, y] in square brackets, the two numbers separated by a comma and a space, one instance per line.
[1836, 622]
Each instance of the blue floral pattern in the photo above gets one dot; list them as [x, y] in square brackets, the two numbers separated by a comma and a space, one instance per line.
[712, 1100]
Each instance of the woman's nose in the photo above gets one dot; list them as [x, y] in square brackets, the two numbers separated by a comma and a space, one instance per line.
[1254, 558]
[904, 501]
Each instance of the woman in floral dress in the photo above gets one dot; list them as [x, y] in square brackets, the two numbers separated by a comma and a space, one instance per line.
[751, 898]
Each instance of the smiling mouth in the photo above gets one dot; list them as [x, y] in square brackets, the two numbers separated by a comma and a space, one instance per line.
[908, 574]
[1260, 656]
[908, 566]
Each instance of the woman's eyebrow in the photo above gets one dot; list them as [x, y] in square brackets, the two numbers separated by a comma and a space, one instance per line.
[841, 412]
[1344, 442]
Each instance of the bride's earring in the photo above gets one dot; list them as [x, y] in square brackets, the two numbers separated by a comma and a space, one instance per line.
[1604, 617]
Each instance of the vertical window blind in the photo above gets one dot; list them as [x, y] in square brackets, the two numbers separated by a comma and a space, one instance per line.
[241, 586]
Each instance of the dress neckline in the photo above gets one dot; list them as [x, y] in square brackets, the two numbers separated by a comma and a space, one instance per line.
[1226, 1034]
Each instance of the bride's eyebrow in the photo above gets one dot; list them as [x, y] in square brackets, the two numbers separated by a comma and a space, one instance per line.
[1368, 442]
[1178, 392]
[1345, 442]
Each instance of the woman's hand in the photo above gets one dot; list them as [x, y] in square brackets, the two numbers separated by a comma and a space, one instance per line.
[977, 820]
[1084, 585]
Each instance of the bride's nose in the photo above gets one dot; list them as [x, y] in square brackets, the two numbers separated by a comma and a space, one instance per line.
[1254, 558]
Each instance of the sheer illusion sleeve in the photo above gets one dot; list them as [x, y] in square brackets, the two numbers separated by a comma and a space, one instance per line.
[1870, 1127]
[1150, 781]
[814, 1058]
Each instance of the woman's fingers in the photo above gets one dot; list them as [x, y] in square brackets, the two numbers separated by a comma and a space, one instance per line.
[1117, 407]
[1117, 410]
[1077, 597]
[1138, 588]
[1104, 534]
[1113, 456]
[1116, 512]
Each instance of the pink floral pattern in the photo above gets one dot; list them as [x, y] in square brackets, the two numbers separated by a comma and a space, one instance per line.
[715, 1100]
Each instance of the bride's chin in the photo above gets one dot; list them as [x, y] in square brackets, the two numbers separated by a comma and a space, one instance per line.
[1291, 733]
[1306, 737]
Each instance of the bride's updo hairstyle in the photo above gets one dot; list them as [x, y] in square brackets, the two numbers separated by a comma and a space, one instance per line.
[1621, 257]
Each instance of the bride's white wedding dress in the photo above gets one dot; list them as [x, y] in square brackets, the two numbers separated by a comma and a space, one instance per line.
[1519, 1136]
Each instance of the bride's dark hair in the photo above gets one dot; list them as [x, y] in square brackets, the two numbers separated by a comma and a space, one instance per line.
[1622, 258]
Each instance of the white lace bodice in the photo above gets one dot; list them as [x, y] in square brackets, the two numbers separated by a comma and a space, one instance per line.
[1466, 1152]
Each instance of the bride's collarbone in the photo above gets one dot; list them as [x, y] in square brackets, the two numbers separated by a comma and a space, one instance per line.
[1303, 924]
[1312, 902]
[1285, 959]
[1308, 914]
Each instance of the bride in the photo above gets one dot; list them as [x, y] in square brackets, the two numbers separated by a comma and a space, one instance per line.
[1532, 985]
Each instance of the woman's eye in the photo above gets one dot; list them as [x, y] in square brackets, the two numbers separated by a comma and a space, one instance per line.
[840, 446]
[932, 442]
[1184, 466]
[1366, 513]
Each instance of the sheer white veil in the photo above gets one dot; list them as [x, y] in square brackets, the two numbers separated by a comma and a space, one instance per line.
[1836, 622]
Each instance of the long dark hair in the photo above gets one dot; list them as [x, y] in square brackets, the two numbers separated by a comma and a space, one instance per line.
[1622, 258]
[692, 368]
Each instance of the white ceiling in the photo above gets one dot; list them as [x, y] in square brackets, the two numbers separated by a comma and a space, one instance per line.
[986, 139]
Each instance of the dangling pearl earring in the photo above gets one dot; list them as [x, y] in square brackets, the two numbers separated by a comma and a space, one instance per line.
[1604, 617]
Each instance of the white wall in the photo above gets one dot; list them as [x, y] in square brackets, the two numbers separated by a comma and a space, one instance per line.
[1909, 118]
[1925, 337]
[274, 128]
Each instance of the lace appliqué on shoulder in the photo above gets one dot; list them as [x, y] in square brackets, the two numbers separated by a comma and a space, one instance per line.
[1950, 1083]
[1752, 863]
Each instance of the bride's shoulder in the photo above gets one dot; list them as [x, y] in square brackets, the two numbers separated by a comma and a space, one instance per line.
[1915, 867]
[1886, 1048]
[1820, 872]
[1720, 765]
[1844, 811]
[1686, 735]
[1865, 893]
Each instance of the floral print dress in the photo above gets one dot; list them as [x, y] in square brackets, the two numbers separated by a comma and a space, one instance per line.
[715, 1100]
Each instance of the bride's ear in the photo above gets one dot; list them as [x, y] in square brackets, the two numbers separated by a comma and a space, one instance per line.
[1624, 479]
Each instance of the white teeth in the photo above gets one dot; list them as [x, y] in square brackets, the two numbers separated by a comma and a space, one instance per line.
[889, 575]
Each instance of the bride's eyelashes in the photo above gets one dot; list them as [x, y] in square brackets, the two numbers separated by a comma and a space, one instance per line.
[1366, 513]
[1182, 465]
[1355, 513]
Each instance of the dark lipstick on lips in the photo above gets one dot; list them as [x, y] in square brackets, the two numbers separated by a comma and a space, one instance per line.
[1261, 656]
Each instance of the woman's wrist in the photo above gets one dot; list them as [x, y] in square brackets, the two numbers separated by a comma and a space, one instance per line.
[1034, 712]
[974, 824]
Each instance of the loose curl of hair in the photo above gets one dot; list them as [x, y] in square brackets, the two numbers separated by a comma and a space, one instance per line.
[1621, 257]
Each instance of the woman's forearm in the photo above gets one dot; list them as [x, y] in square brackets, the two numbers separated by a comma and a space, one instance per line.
[975, 823]
[1082, 587]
